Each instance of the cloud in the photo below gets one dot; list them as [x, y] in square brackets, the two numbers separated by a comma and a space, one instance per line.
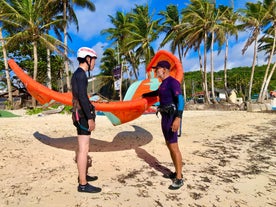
[235, 56]
[91, 23]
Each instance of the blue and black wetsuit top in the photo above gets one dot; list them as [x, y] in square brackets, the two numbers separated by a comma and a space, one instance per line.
[170, 93]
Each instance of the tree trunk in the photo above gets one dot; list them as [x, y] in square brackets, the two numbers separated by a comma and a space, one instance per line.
[35, 69]
[132, 62]
[207, 97]
[201, 69]
[49, 76]
[225, 69]
[212, 70]
[263, 90]
[269, 77]
[6, 69]
[66, 64]
[252, 71]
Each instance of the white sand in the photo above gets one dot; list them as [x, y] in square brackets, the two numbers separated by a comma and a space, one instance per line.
[229, 160]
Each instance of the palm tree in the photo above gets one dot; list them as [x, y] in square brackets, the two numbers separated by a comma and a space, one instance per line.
[216, 34]
[229, 28]
[268, 46]
[197, 16]
[10, 99]
[172, 27]
[51, 14]
[253, 18]
[132, 33]
[109, 62]
[119, 35]
[24, 17]
[69, 16]
[143, 30]
[268, 43]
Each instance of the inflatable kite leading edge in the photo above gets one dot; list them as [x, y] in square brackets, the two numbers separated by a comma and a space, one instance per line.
[118, 112]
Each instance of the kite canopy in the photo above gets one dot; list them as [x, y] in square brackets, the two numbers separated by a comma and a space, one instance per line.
[118, 112]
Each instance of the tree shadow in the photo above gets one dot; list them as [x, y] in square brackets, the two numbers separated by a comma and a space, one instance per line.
[122, 141]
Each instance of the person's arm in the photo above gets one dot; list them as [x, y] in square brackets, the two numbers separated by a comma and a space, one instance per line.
[91, 125]
[83, 97]
[180, 105]
[150, 94]
[179, 101]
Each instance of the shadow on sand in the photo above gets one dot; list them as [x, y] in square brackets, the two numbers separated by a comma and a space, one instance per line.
[122, 141]
[125, 140]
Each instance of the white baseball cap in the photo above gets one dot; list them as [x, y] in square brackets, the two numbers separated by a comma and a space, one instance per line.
[86, 51]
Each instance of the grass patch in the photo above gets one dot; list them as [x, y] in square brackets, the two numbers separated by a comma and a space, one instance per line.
[6, 114]
[34, 111]
[38, 110]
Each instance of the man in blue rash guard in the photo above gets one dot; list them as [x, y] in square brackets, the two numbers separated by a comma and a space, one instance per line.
[171, 109]
[83, 116]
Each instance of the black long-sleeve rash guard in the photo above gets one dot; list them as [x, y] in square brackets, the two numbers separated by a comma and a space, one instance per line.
[79, 89]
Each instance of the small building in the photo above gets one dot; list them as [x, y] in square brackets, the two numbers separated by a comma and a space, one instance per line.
[219, 95]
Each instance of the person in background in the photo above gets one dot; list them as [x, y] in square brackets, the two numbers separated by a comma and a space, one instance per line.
[83, 117]
[171, 109]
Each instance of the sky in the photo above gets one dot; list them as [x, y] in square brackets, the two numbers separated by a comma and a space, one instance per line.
[92, 23]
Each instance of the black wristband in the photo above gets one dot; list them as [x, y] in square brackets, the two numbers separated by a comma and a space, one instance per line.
[179, 114]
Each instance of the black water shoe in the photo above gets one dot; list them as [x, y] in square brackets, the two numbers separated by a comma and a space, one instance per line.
[89, 178]
[88, 188]
[177, 183]
[171, 175]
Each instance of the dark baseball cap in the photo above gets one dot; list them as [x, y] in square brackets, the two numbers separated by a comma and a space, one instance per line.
[163, 64]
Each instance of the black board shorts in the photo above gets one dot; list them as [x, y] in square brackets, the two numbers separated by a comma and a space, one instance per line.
[82, 127]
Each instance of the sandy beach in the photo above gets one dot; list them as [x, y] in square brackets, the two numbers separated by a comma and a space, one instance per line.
[229, 159]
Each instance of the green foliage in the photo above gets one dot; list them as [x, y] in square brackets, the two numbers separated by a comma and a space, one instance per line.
[67, 110]
[34, 111]
[38, 110]
[237, 78]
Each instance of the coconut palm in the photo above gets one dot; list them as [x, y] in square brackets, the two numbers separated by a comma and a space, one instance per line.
[229, 20]
[143, 30]
[197, 16]
[109, 62]
[222, 25]
[69, 16]
[119, 34]
[6, 63]
[25, 17]
[268, 43]
[172, 27]
[252, 18]
[51, 13]
[10, 100]
[216, 33]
